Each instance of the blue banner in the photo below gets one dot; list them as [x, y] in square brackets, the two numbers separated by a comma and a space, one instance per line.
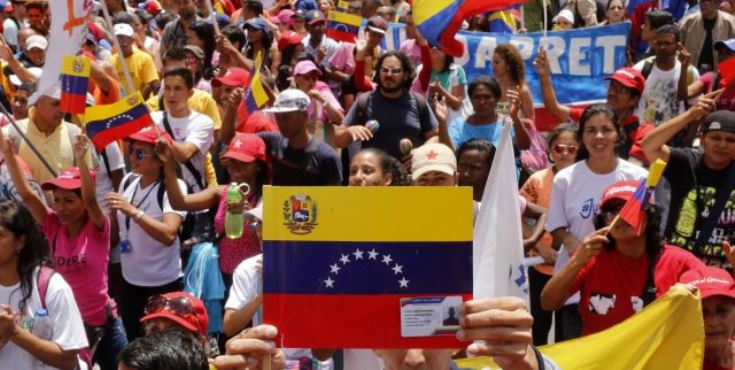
[579, 59]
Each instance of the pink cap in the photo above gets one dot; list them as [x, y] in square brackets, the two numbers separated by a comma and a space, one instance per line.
[305, 67]
[69, 179]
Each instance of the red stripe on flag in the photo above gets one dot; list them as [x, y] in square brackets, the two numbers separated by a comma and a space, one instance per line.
[73, 103]
[105, 137]
[341, 35]
[727, 71]
[346, 321]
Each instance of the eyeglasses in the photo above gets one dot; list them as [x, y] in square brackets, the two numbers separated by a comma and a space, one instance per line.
[178, 306]
[139, 154]
[391, 71]
[609, 212]
[564, 149]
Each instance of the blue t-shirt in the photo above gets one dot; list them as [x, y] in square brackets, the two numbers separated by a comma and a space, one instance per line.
[461, 131]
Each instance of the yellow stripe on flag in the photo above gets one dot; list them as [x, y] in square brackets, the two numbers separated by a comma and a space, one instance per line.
[408, 214]
[101, 112]
[668, 334]
[425, 9]
[346, 18]
[342, 4]
[73, 65]
[256, 85]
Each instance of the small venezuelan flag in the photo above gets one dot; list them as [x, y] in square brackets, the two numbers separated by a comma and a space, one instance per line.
[74, 83]
[112, 122]
[343, 26]
[634, 210]
[256, 96]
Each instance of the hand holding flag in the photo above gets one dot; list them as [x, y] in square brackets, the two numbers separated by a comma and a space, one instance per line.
[107, 123]
[634, 210]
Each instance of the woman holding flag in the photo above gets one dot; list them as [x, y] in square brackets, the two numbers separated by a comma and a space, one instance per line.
[618, 270]
[78, 231]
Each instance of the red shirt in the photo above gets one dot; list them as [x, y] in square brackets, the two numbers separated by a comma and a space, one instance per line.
[611, 284]
[258, 122]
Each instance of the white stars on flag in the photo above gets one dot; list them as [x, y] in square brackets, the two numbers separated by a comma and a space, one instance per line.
[335, 268]
[329, 282]
[358, 254]
[345, 259]
[403, 282]
[387, 260]
[397, 269]
[372, 255]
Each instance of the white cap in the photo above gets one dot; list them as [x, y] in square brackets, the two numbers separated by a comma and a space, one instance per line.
[35, 71]
[433, 157]
[290, 100]
[566, 14]
[123, 29]
[53, 91]
[36, 41]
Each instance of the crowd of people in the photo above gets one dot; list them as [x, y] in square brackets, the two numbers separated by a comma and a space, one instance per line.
[94, 244]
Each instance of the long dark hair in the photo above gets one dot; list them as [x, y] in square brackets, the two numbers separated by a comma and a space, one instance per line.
[514, 60]
[391, 165]
[591, 111]
[35, 251]
[205, 31]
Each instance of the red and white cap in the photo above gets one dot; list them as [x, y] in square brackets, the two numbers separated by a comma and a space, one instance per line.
[69, 179]
[246, 148]
[710, 281]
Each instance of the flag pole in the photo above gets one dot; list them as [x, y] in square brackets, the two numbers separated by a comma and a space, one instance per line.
[123, 64]
[213, 16]
[546, 22]
[25, 138]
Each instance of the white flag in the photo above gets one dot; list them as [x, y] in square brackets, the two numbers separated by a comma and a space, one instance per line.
[68, 30]
[497, 257]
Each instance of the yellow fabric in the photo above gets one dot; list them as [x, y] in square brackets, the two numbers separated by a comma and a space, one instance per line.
[668, 334]
[142, 70]
[200, 101]
[73, 65]
[412, 216]
[425, 9]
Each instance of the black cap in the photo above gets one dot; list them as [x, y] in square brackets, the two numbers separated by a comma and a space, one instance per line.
[313, 16]
[721, 120]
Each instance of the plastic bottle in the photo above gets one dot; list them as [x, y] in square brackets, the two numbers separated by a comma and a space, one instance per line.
[43, 327]
[234, 222]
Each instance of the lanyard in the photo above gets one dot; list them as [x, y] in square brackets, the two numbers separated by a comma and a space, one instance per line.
[132, 199]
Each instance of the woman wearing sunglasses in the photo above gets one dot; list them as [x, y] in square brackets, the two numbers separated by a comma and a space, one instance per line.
[616, 271]
[577, 189]
[149, 243]
[245, 162]
[179, 310]
[23, 251]
[78, 231]
[562, 151]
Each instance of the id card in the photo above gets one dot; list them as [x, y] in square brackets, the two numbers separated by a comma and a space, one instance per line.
[430, 316]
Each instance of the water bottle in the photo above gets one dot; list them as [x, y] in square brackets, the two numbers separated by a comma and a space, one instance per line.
[43, 327]
[234, 222]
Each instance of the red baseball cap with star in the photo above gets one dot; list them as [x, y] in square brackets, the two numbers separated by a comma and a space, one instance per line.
[246, 148]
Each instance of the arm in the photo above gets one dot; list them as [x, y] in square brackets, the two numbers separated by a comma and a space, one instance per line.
[588, 10]
[229, 119]
[183, 151]
[685, 58]
[696, 88]
[362, 82]
[558, 289]
[560, 112]
[562, 236]
[31, 200]
[425, 73]
[335, 114]
[236, 58]
[538, 213]
[89, 196]
[102, 78]
[237, 320]
[527, 103]
[654, 144]
[46, 351]
[523, 139]
[440, 111]
[204, 199]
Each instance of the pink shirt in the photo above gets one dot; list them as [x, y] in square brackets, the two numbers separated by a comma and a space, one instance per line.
[234, 251]
[322, 114]
[82, 262]
[343, 58]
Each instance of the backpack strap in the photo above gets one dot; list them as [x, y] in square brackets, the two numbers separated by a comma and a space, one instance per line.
[423, 108]
[106, 160]
[43, 279]
[647, 68]
[361, 110]
[189, 166]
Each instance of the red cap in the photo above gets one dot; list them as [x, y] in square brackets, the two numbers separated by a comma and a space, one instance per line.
[288, 38]
[235, 77]
[629, 77]
[69, 179]
[621, 190]
[710, 281]
[197, 323]
[150, 135]
[284, 17]
[152, 8]
[246, 148]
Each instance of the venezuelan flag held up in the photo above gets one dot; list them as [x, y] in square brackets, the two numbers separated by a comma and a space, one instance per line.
[256, 97]
[107, 123]
[75, 72]
[439, 20]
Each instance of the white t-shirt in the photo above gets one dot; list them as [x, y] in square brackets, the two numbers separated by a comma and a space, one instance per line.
[197, 129]
[149, 262]
[68, 331]
[10, 32]
[575, 199]
[103, 181]
[660, 102]
[244, 290]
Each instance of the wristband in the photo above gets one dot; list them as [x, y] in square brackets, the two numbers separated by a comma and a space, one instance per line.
[138, 216]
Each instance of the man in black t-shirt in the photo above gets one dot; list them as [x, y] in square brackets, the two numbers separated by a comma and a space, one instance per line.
[698, 179]
[297, 158]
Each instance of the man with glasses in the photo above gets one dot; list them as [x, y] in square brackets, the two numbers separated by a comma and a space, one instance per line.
[625, 89]
[399, 112]
[702, 29]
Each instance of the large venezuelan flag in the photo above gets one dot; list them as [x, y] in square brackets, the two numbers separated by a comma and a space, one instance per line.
[343, 26]
[107, 123]
[439, 20]
[337, 261]
[75, 72]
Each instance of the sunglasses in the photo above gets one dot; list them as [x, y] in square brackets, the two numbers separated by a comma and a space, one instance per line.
[564, 149]
[178, 306]
[139, 154]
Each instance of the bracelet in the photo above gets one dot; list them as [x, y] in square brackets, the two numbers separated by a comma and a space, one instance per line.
[138, 216]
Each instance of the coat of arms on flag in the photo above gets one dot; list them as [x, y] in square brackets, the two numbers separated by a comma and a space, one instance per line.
[378, 263]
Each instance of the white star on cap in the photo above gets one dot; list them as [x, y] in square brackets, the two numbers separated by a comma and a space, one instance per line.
[237, 144]
[335, 268]
[387, 260]
[397, 269]
[345, 259]
[373, 254]
[403, 282]
[329, 282]
[358, 254]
